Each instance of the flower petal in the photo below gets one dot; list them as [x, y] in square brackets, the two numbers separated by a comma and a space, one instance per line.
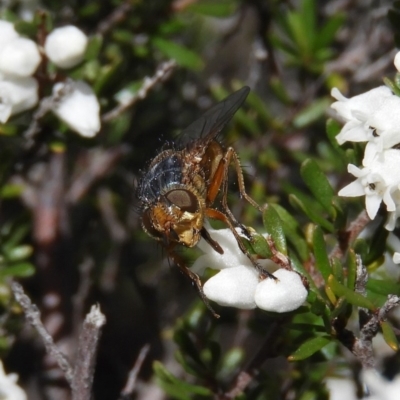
[372, 204]
[353, 189]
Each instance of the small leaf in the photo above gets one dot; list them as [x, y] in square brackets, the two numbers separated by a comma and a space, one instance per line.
[389, 335]
[182, 55]
[316, 218]
[313, 112]
[383, 287]
[182, 338]
[310, 347]
[320, 253]
[175, 387]
[318, 183]
[378, 248]
[337, 269]
[20, 270]
[352, 297]
[273, 225]
[332, 130]
[93, 47]
[231, 361]
[19, 253]
[292, 231]
[260, 246]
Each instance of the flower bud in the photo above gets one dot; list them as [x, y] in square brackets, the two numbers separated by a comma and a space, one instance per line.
[7, 32]
[78, 107]
[286, 294]
[66, 46]
[16, 95]
[19, 58]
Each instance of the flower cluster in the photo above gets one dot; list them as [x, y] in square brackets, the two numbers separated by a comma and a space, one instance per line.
[20, 59]
[237, 284]
[373, 117]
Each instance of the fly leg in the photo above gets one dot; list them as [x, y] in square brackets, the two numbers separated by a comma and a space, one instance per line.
[215, 214]
[192, 276]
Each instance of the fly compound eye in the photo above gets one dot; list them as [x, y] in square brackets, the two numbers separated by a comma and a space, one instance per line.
[184, 199]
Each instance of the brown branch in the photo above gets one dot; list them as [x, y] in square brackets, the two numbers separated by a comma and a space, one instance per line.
[134, 372]
[79, 378]
[162, 73]
[116, 17]
[86, 356]
[100, 163]
[32, 314]
[350, 235]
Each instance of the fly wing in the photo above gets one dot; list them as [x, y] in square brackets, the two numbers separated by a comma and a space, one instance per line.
[213, 121]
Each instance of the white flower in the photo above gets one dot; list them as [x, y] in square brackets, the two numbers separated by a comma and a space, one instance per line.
[356, 111]
[9, 390]
[16, 95]
[19, 57]
[78, 107]
[384, 123]
[377, 182]
[397, 61]
[379, 387]
[66, 46]
[285, 294]
[7, 33]
[238, 282]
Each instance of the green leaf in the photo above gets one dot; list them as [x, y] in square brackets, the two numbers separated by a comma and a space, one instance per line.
[292, 231]
[260, 245]
[19, 253]
[327, 34]
[182, 55]
[308, 14]
[318, 183]
[310, 347]
[332, 130]
[231, 361]
[320, 253]
[312, 113]
[175, 387]
[389, 335]
[384, 287]
[378, 244]
[93, 47]
[20, 270]
[273, 225]
[314, 217]
[352, 297]
[182, 338]
[337, 269]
